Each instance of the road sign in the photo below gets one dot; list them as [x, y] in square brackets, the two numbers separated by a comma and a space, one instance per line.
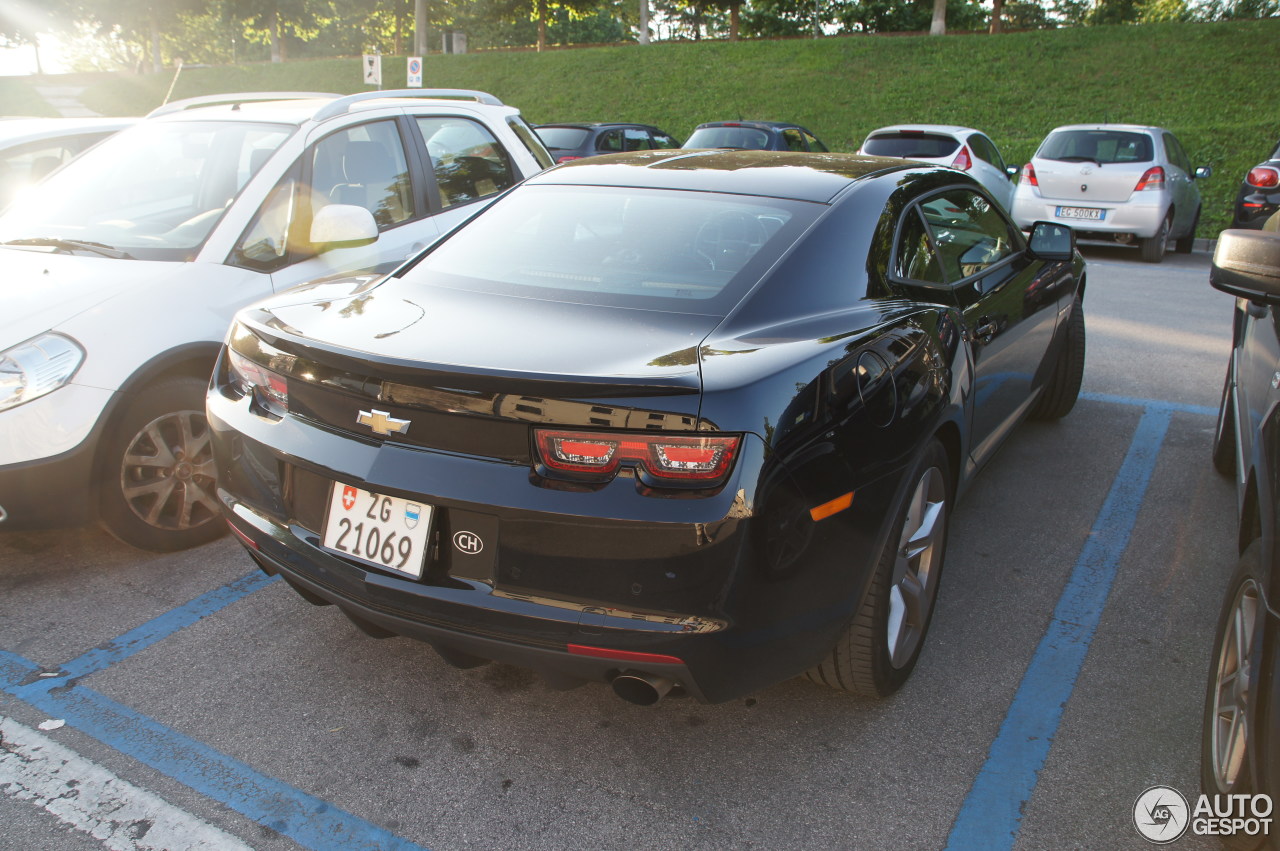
[415, 72]
[373, 69]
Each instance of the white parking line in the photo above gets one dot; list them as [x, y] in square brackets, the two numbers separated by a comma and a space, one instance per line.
[91, 799]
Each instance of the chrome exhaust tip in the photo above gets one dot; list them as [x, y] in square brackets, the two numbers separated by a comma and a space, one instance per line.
[641, 689]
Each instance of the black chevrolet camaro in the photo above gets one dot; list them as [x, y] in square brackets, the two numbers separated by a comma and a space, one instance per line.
[670, 419]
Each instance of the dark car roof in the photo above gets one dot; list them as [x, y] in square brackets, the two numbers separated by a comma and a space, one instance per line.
[772, 125]
[595, 125]
[773, 174]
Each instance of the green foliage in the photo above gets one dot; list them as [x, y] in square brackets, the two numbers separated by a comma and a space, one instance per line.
[1017, 87]
[20, 99]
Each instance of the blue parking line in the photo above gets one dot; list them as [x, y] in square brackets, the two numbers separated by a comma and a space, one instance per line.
[140, 638]
[1150, 404]
[307, 820]
[991, 815]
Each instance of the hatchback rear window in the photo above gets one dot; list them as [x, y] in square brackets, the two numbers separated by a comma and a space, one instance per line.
[910, 145]
[694, 252]
[748, 138]
[565, 138]
[1099, 146]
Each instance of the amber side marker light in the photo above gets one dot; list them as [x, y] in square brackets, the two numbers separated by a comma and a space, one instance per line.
[624, 655]
[835, 506]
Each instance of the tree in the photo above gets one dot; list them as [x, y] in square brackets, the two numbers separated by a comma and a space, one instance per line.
[270, 21]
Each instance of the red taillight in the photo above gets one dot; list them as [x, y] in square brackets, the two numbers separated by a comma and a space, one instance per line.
[665, 458]
[566, 158]
[963, 161]
[1263, 177]
[1153, 179]
[270, 389]
[1029, 175]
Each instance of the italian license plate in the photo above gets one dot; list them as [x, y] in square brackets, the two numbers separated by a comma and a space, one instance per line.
[1081, 213]
[384, 531]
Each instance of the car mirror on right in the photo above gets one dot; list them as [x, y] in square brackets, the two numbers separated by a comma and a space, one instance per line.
[1050, 241]
[343, 226]
[1246, 264]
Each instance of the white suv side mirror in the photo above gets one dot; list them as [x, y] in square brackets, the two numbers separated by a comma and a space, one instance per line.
[342, 226]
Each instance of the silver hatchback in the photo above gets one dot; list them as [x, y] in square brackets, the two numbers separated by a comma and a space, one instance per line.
[1119, 182]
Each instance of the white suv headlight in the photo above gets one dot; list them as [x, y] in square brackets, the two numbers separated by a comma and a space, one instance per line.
[32, 369]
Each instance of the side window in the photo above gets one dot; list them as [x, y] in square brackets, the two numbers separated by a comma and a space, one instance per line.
[265, 244]
[916, 258]
[970, 233]
[610, 142]
[662, 140]
[985, 150]
[814, 144]
[469, 163]
[793, 139]
[636, 140]
[364, 165]
[1177, 156]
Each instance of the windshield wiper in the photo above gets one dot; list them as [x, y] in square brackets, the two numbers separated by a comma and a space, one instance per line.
[74, 245]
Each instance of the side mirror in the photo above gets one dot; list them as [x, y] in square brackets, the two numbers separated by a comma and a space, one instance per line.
[1246, 264]
[1203, 171]
[1049, 241]
[1012, 171]
[342, 226]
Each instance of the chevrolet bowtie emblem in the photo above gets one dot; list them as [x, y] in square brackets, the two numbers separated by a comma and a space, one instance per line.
[382, 422]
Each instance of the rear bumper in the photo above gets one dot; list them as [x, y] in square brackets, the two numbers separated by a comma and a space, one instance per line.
[1254, 207]
[1139, 216]
[704, 581]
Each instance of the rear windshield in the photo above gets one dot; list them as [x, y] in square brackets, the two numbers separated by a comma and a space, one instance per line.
[748, 138]
[565, 138]
[910, 145]
[691, 252]
[1099, 146]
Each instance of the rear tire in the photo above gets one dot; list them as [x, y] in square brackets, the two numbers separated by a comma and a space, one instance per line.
[878, 650]
[1153, 249]
[1224, 436]
[1231, 703]
[1186, 243]
[157, 487]
[1063, 387]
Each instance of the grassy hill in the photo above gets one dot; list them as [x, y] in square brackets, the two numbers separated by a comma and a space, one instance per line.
[1209, 83]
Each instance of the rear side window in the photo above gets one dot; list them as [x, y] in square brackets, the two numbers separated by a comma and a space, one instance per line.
[910, 145]
[917, 260]
[793, 140]
[984, 149]
[1100, 146]
[610, 142]
[1177, 156]
[747, 138]
[662, 140]
[468, 162]
[636, 140]
[814, 144]
[530, 140]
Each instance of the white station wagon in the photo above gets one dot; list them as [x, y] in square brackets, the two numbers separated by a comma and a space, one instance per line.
[120, 273]
[1118, 182]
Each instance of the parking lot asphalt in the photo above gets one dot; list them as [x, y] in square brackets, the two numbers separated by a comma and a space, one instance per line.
[1062, 677]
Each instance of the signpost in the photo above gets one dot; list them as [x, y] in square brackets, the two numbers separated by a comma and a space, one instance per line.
[415, 72]
[373, 69]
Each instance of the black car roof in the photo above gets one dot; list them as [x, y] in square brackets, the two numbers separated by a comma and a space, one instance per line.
[774, 174]
[772, 125]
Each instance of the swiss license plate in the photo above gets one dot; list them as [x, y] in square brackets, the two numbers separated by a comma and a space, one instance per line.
[384, 531]
[1081, 213]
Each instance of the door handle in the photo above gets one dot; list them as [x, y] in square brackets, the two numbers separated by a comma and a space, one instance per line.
[986, 328]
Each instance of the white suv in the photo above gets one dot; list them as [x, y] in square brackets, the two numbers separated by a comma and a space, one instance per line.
[122, 271]
[1119, 182]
